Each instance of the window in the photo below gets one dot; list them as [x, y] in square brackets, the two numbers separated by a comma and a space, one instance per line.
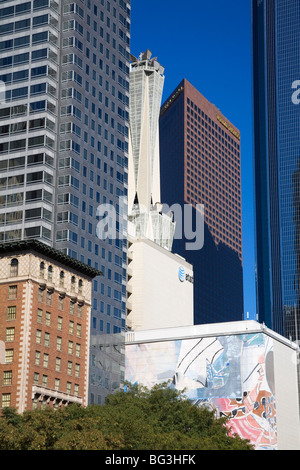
[71, 327]
[6, 398]
[46, 360]
[60, 302]
[40, 315]
[61, 279]
[14, 267]
[9, 356]
[58, 343]
[10, 334]
[77, 370]
[11, 313]
[57, 384]
[70, 347]
[79, 310]
[12, 292]
[50, 273]
[7, 377]
[69, 368]
[78, 330]
[37, 358]
[41, 295]
[42, 270]
[48, 319]
[72, 307]
[78, 350]
[58, 364]
[47, 339]
[38, 337]
[49, 298]
[59, 323]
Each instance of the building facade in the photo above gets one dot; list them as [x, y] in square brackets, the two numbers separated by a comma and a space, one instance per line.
[276, 49]
[159, 287]
[241, 370]
[45, 319]
[200, 165]
[64, 70]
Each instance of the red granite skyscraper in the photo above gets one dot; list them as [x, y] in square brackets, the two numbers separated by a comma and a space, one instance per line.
[200, 164]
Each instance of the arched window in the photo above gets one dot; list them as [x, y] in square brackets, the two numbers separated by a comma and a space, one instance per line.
[62, 279]
[73, 281]
[50, 273]
[80, 286]
[14, 267]
[42, 269]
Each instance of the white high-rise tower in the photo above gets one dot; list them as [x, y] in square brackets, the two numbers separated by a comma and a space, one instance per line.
[144, 207]
[159, 285]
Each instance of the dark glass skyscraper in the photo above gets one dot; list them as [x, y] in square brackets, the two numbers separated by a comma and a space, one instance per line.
[200, 164]
[276, 75]
[64, 69]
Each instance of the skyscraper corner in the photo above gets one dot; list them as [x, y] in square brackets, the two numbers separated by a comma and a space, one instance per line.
[276, 122]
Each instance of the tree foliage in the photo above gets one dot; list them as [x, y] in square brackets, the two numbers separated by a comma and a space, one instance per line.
[140, 419]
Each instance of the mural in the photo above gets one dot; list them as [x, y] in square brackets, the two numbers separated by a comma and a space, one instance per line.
[231, 374]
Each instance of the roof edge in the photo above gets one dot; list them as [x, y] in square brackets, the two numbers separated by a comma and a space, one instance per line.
[56, 255]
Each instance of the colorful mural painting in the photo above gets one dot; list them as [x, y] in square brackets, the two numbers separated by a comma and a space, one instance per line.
[232, 374]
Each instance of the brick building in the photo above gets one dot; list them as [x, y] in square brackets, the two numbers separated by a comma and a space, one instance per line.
[45, 303]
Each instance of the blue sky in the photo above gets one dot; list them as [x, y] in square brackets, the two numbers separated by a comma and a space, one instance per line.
[209, 44]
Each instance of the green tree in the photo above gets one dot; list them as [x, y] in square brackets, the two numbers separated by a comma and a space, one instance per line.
[141, 419]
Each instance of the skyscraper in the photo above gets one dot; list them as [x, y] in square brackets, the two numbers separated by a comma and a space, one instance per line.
[276, 52]
[64, 140]
[144, 201]
[156, 296]
[200, 164]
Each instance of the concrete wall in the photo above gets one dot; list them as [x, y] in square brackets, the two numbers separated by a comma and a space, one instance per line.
[240, 369]
[157, 296]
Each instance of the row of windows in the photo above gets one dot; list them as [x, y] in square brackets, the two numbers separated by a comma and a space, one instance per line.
[22, 109]
[24, 126]
[19, 180]
[22, 8]
[207, 140]
[26, 41]
[39, 333]
[29, 232]
[108, 327]
[19, 162]
[72, 329]
[72, 348]
[23, 75]
[24, 25]
[14, 269]
[200, 114]
[7, 200]
[32, 142]
[18, 59]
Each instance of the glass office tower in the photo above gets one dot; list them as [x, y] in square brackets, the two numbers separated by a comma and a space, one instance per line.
[276, 75]
[64, 71]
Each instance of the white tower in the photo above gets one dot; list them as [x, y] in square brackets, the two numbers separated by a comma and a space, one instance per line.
[145, 218]
[156, 296]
